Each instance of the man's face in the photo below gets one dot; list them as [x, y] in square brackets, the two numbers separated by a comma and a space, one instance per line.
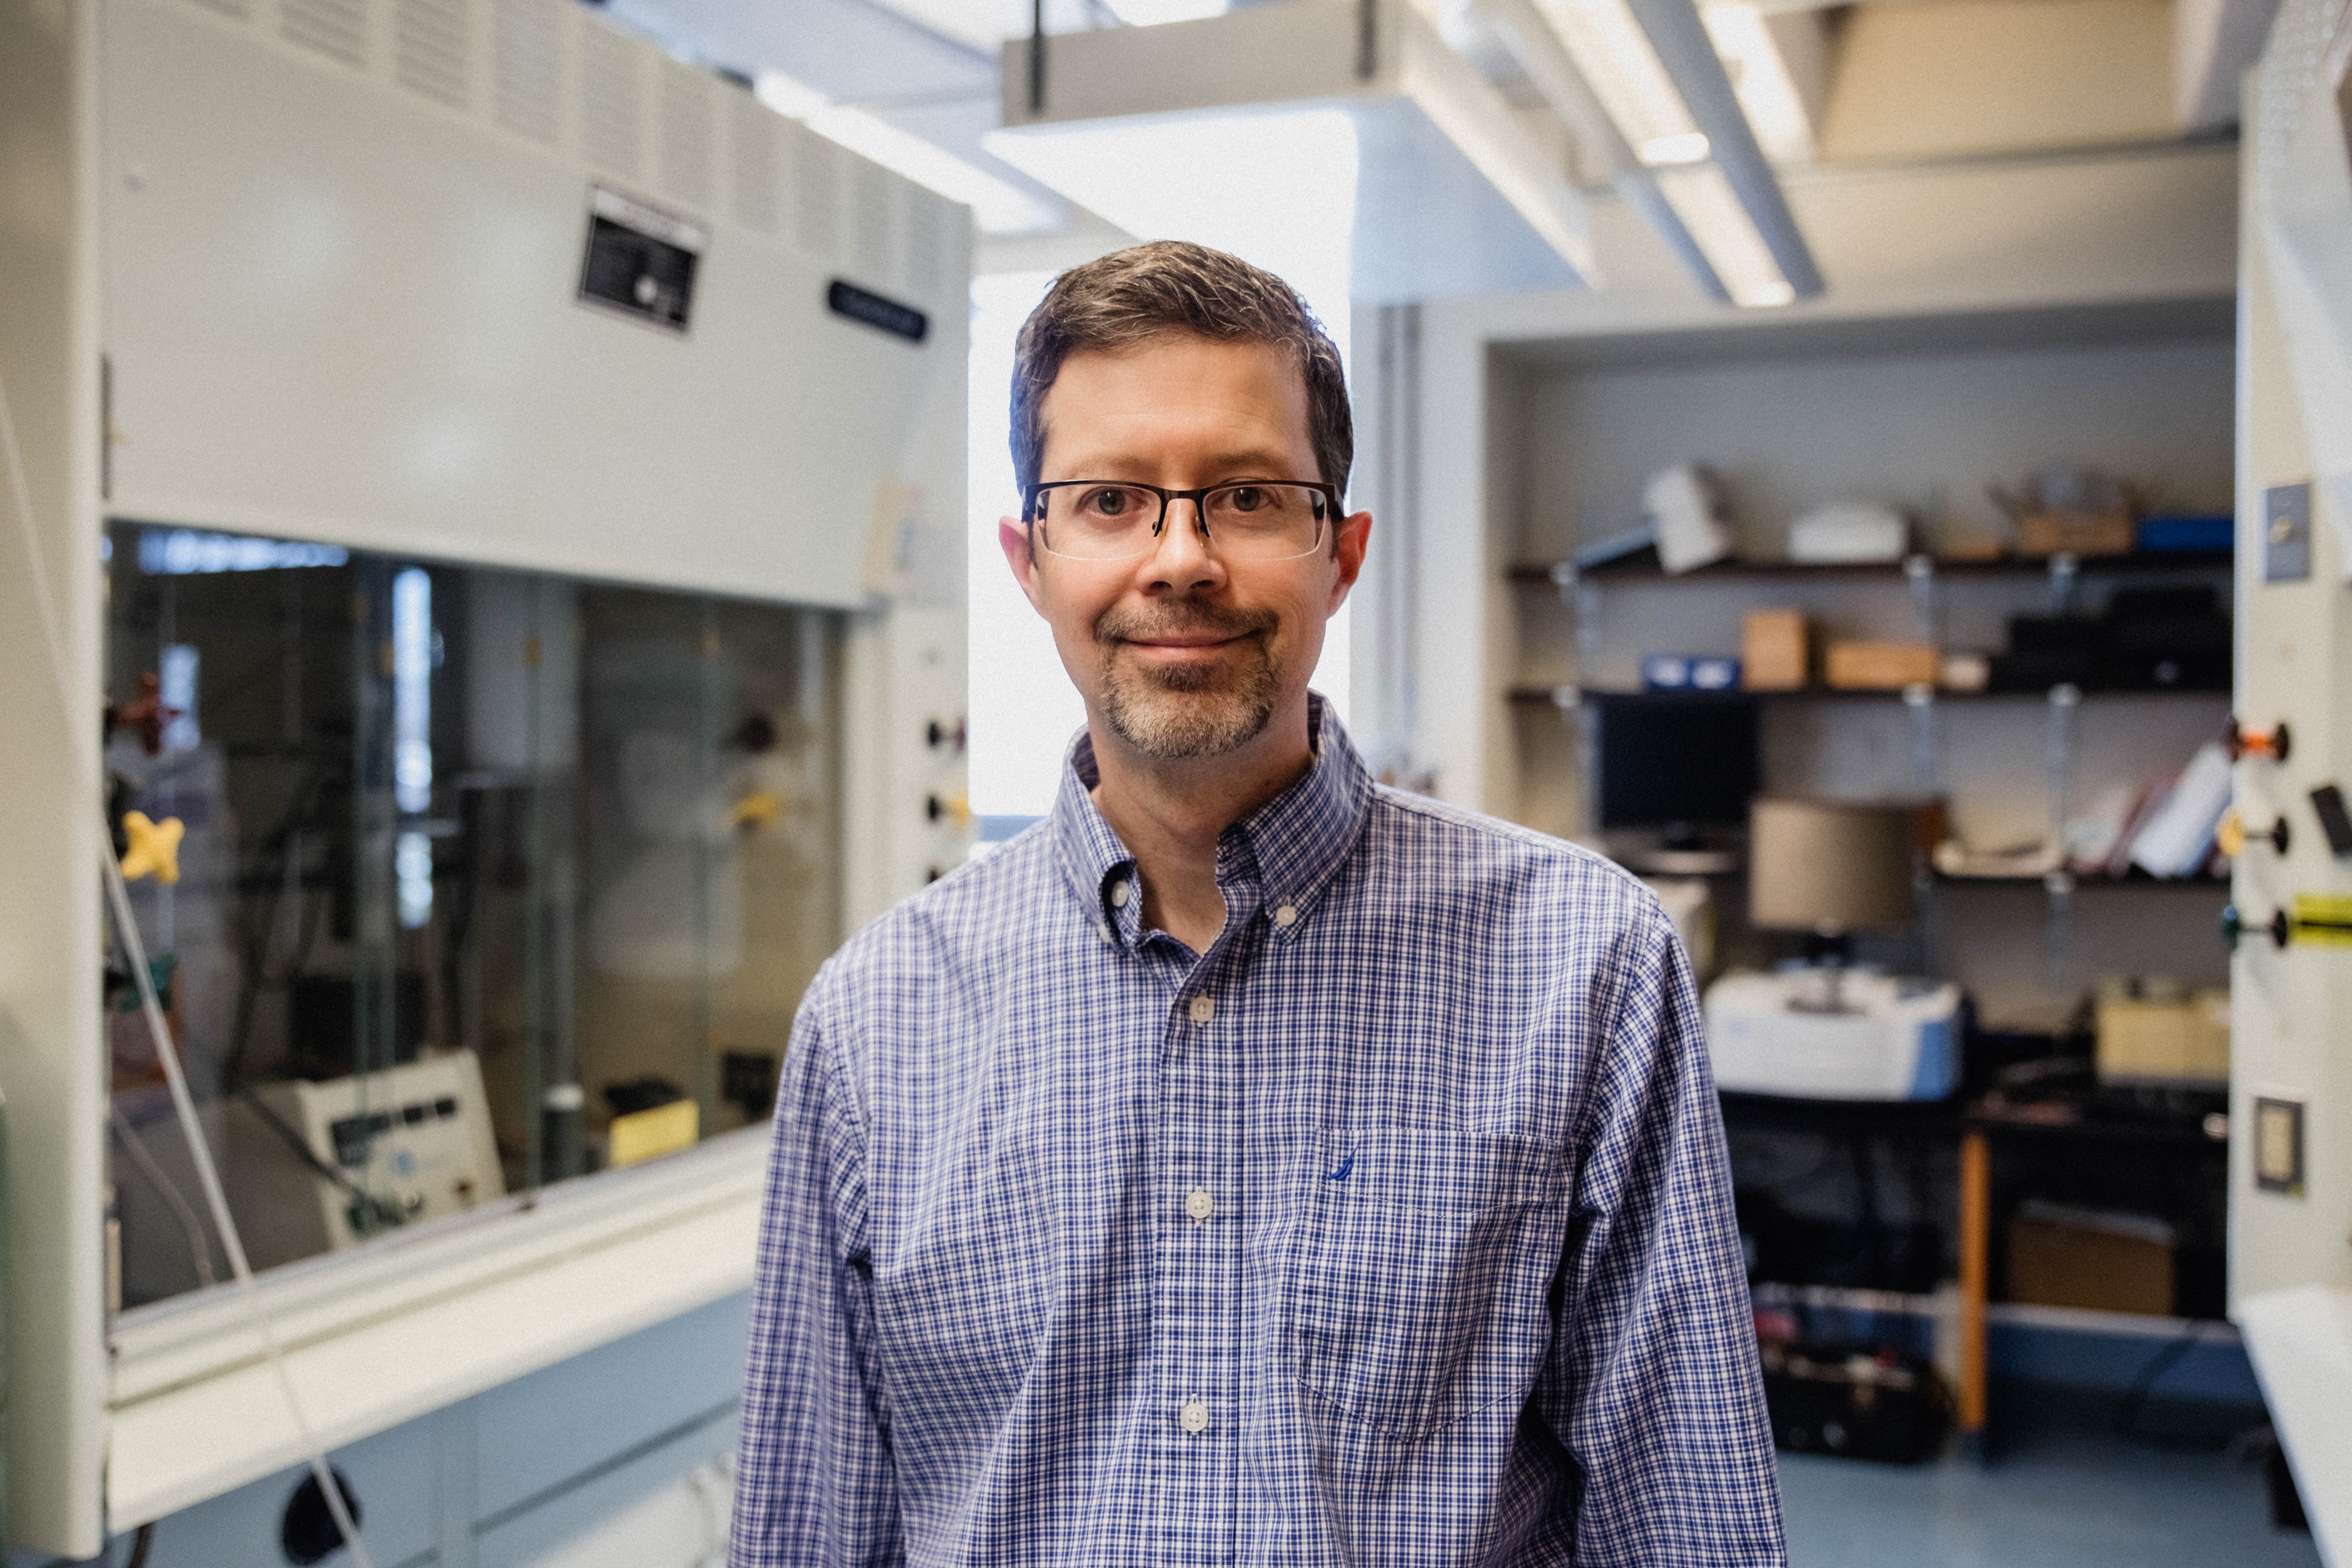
[1179, 652]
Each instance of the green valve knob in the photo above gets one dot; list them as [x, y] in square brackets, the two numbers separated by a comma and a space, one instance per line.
[2279, 928]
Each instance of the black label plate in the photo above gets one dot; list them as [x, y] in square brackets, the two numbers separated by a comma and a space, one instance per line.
[862, 305]
[640, 261]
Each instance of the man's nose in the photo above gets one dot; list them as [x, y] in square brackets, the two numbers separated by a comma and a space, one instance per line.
[1183, 559]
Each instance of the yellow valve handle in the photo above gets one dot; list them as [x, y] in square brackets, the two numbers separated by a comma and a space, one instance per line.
[154, 848]
[2232, 835]
[757, 809]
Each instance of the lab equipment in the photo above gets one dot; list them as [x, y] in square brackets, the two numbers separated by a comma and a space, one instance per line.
[1685, 508]
[320, 318]
[1888, 1038]
[1822, 1029]
[1682, 764]
[1849, 531]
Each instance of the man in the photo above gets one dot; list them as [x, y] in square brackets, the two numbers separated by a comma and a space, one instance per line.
[1245, 1165]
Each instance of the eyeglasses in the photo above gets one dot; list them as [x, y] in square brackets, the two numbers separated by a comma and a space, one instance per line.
[1251, 519]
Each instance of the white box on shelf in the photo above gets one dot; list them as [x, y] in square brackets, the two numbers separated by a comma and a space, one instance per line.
[1894, 1038]
[1849, 531]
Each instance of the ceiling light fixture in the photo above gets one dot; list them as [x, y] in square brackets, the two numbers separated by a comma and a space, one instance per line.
[1530, 40]
[998, 206]
[1682, 143]
[1615, 56]
[1452, 194]
[1710, 210]
[1682, 147]
[1779, 66]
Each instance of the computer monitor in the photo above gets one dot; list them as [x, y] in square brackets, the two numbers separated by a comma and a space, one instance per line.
[1682, 761]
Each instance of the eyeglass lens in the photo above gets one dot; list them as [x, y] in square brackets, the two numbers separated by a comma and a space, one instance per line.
[1255, 521]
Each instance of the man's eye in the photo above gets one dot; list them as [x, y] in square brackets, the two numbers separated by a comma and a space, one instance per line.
[1249, 498]
[1110, 504]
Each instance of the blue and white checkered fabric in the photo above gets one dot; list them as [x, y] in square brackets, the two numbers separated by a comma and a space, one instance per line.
[1394, 1229]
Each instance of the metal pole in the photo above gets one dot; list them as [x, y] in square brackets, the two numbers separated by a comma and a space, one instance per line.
[1037, 57]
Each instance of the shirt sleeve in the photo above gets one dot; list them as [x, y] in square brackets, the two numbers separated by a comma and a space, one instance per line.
[1653, 1384]
[814, 1482]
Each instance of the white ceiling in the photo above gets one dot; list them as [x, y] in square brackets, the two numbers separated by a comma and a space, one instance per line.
[1912, 80]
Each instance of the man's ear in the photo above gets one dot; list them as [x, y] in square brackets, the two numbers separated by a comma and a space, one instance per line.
[1348, 554]
[1012, 535]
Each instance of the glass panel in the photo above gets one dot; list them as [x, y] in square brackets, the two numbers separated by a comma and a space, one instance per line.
[485, 879]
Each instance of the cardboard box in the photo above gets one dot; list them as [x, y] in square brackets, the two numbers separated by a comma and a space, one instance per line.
[2186, 1041]
[2074, 533]
[1775, 650]
[1964, 671]
[2082, 1258]
[1880, 665]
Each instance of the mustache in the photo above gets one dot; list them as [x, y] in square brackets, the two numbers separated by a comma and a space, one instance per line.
[1116, 625]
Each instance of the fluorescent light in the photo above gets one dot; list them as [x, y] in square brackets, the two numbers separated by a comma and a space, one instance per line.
[180, 552]
[1616, 59]
[997, 205]
[1757, 51]
[1689, 163]
[1702, 199]
[1689, 147]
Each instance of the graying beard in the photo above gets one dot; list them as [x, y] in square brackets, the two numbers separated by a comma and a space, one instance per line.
[1179, 737]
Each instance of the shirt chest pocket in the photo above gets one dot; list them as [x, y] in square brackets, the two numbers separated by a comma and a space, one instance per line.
[1417, 1293]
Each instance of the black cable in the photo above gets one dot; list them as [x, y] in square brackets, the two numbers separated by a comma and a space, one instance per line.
[380, 1211]
[304, 813]
[2129, 1409]
[140, 1544]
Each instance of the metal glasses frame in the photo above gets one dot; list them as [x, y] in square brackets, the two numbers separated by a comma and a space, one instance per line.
[1033, 501]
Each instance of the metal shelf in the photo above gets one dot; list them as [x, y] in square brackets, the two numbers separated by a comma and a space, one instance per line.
[1650, 574]
[1566, 696]
[2080, 880]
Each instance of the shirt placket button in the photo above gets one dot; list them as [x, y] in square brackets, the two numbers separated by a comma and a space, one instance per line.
[1194, 1418]
[1204, 1009]
[1199, 1204]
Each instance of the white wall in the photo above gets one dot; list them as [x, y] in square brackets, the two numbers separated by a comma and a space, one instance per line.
[2290, 1267]
[2291, 1009]
[1925, 431]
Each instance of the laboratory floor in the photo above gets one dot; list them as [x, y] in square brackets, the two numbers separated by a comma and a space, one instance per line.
[2062, 1492]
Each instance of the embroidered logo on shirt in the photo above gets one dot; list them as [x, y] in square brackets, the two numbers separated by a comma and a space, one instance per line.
[1346, 1166]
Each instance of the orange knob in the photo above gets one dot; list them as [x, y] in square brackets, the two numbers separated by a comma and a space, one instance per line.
[2244, 742]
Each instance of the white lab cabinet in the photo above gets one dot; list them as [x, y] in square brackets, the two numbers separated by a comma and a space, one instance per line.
[524, 475]
[2291, 978]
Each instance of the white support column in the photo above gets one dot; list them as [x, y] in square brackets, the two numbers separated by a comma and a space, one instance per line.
[52, 1061]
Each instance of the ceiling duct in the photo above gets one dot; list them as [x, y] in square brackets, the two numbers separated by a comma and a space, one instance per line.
[1265, 108]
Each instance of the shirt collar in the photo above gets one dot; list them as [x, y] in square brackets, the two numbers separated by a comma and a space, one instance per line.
[1282, 855]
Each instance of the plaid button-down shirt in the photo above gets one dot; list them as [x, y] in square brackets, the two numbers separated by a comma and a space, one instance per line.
[1394, 1229]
